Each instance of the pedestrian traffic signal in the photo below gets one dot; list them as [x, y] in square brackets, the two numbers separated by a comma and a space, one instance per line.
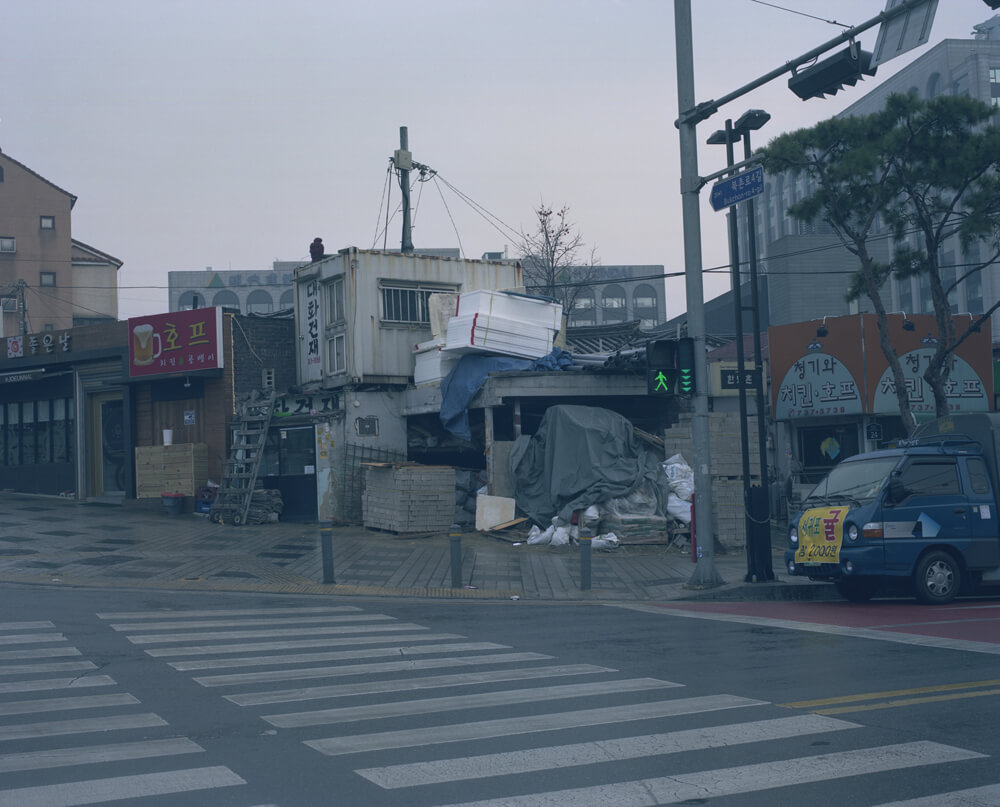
[830, 75]
[685, 366]
[661, 370]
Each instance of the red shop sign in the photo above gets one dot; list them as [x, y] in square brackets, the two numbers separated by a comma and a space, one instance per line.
[179, 342]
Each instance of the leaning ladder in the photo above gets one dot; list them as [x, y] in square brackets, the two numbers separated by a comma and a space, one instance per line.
[235, 494]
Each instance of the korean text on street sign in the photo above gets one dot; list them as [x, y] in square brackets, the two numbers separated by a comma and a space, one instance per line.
[733, 190]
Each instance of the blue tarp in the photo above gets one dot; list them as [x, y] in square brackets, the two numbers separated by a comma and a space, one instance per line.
[467, 378]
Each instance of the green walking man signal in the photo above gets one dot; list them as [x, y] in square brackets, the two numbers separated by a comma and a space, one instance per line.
[670, 367]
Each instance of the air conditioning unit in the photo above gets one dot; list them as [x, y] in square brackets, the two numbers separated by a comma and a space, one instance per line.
[8, 304]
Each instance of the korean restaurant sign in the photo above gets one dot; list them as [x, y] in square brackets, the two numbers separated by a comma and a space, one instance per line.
[836, 366]
[178, 342]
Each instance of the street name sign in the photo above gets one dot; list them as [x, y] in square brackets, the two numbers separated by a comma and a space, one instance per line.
[733, 190]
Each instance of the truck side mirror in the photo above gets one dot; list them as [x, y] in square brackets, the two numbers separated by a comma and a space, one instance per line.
[896, 491]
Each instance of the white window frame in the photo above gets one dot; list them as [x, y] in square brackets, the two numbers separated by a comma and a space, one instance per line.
[336, 361]
[46, 222]
[335, 299]
[8, 244]
[44, 276]
[397, 299]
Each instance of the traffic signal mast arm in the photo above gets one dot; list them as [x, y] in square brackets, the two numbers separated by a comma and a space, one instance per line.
[706, 109]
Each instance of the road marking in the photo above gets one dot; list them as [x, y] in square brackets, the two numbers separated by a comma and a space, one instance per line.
[32, 638]
[25, 625]
[39, 652]
[58, 683]
[868, 707]
[701, 785]
[563, 756]
[412, 684]
[988, 796]
[528, 724]
[811, 627]
[338, 609]
[94, 791]
[868, 696]
[59, 704]
[89, 755]
[23, 731]
[378, 711]
[55, 666]
[205, 650]
[254, 634]
[230, 623]
[266, 676]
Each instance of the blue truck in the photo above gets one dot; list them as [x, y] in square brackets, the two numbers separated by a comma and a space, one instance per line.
[923, 512]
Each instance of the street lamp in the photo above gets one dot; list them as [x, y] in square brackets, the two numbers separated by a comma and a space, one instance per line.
[756, 502]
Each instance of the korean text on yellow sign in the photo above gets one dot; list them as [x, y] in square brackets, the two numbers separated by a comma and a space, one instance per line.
[821, 531]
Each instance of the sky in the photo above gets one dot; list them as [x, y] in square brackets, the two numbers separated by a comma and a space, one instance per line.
[230, 133]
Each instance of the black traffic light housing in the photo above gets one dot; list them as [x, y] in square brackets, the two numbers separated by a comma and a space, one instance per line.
[829, 76]
[685, 366]
[661, 367]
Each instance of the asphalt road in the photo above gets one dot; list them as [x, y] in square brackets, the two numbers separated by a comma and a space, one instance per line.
[245, 700]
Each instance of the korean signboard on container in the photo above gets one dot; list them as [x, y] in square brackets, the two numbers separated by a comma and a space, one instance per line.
[178, 342]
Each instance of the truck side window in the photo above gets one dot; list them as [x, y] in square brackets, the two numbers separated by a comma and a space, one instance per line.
[931, 478]
[978, 476]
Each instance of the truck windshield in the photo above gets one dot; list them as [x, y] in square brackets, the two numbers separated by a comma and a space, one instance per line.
[853, 481]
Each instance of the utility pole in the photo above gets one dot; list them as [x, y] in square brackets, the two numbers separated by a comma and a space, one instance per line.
[705, 573]
[404, 162]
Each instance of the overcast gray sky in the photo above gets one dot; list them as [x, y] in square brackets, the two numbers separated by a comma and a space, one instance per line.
[230, 133]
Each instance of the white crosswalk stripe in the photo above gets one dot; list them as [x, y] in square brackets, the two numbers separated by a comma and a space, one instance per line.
[377, 659]
[113, 715]
[701, 785]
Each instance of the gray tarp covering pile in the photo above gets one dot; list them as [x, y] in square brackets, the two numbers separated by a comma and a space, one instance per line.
[581, 455]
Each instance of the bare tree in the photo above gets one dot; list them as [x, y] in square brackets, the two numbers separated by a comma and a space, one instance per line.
[549, 257]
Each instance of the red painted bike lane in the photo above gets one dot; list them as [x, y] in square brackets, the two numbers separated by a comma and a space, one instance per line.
[960, 621]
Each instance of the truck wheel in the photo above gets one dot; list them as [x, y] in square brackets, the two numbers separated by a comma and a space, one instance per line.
[937, 579]
[856, 589]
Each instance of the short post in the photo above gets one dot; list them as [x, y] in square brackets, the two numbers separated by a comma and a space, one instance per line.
[326, 545]
[585, 539]
[455, 539]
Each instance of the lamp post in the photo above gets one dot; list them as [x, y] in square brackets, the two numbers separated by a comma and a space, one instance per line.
[756, 502]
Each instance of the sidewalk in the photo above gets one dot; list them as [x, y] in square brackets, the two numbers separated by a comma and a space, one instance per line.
[52, 541]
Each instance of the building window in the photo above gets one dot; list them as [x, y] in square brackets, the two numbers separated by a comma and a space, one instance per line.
[613, 305]
[227, 300]
[408, 304]
[335, 297]
[46, 278]
[7, 244]
[995, 86]
[1, 173]
[336, 351]
[190, 300]
[46, 222]
[259, 302]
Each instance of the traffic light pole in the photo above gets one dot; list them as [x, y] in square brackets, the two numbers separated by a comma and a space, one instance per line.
[705, 574]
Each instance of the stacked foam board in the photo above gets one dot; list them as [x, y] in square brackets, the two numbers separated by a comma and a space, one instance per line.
[431, 362]
[489, 321]
[408, 498]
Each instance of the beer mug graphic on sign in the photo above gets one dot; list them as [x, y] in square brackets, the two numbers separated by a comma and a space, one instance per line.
[146, 345]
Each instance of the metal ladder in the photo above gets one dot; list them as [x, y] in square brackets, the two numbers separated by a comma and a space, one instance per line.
[235, 494]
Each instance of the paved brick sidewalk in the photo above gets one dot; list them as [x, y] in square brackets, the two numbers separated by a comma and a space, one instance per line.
[53, 541]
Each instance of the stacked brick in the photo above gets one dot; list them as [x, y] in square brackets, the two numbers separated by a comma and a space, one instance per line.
[404, 497]
[727, 468]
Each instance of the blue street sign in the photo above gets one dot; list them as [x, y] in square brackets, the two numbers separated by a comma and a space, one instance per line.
[732, 191]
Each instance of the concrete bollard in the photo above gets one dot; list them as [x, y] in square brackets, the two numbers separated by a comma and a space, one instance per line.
[326, 545]
[455, 539]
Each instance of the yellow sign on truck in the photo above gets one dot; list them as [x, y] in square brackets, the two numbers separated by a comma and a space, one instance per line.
[821, 531]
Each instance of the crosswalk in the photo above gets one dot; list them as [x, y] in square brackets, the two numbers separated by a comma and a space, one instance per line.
[425, 715]
[82, 752]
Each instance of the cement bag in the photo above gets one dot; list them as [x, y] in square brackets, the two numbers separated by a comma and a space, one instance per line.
[536, 536]
[560, 537]
[606, 541]
[679, 509]
[680, 476]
